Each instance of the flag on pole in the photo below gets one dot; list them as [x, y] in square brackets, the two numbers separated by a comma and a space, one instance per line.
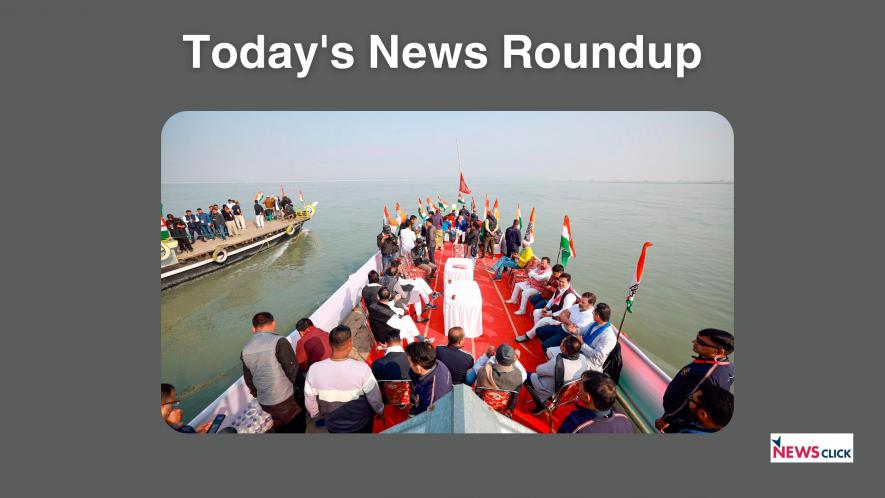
[473, 204]
[421, 213]
[461, 199]
[301, 196]
[164, 231]
[443, 205]
[282, 191]
[519, 216]
[389, 219]
[429, 206]
[401, 214]
[497, 213]
[530, 229]
[566, 243]
[462, 185]
[637, 277]
[259, 197]
[485, 212]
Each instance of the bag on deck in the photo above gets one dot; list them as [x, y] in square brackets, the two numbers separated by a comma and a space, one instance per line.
[614, 363]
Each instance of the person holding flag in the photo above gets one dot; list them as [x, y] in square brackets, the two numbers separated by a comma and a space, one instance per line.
[566, 243]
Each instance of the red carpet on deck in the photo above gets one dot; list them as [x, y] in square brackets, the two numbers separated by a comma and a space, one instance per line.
[500, 326]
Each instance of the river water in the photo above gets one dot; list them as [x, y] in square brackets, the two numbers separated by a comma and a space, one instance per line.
[688, 283]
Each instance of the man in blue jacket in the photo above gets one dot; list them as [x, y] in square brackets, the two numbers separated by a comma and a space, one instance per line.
[710, 366]
[430, 378]
[207, 229]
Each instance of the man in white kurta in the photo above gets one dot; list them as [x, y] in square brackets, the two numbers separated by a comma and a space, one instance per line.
[538, 277]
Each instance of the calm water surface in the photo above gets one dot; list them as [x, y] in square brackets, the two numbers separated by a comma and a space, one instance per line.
[688, 282]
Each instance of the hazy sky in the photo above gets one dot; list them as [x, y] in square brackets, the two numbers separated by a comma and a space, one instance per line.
[287, 146]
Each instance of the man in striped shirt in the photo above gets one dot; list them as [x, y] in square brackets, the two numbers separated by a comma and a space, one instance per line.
[341, 389]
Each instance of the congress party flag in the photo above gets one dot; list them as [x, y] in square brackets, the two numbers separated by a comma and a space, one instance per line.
[566, 242]
[637, 277]
[390, 220]
[497, 213]
[259, 197]
[400, 213]
[519, 216]
[462, 185]
[530, 230]
[473, 203]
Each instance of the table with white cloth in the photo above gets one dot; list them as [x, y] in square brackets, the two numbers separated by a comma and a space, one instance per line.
[463, 307]
[458, 269]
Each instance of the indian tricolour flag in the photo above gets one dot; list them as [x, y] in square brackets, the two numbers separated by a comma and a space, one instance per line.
[519, 216]
[566, 242]
[421, 213]
[164, 232]
[401, 214]
[497, 213]
[390, 220]
[259, 197]
[637, 277]
[530, 230]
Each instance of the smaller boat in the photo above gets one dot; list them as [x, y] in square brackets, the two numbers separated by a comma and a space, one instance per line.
[214, 254]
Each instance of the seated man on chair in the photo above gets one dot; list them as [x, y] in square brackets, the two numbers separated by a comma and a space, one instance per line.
[538, 278]
[504, 373]
[503, 263]
[458, 361]
[370, 291]
[408, 291]
[594, 414]
[421, 259]
[394, 365]
[538, 301]
[564, 366]
[384, 319]
[571, 321]
[564, 298]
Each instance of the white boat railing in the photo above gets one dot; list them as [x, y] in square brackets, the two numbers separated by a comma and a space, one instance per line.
[332, 312]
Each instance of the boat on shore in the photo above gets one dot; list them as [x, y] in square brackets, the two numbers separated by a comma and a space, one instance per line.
[214, 254]
[639, 396]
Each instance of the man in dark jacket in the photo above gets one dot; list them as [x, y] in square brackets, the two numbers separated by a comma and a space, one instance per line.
[388, 245]
[193, 226]
[710, 366]
[207, 228]
[490, 233]
[370, 291]
[594, 413]
[512, 238]
[454, 357]
[178, 230]
[711, 409]
[218, 221]
[270, 372]
[431, 230]
[430, 378]
[394, 365]
[380, 313]
[259, 214]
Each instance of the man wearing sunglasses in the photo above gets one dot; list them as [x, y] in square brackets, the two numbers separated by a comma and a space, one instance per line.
[710, 366]
[711, 407]
[171, 413]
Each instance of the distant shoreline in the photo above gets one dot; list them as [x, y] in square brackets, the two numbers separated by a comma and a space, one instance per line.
[344, 180]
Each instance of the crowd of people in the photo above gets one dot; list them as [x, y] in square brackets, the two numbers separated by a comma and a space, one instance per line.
[225, 220]
[319, 378]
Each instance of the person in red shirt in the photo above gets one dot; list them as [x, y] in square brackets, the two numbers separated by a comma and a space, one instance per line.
[313, 345]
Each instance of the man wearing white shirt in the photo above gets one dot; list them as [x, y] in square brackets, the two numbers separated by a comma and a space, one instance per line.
[406, 240]
[571, 321]
[563, 299]
[537, 279]
[598, 338]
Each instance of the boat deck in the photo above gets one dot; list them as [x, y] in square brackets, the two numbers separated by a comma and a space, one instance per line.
[249, 234]
[500, 326]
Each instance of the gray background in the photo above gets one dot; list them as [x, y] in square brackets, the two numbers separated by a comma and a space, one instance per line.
[87, 88]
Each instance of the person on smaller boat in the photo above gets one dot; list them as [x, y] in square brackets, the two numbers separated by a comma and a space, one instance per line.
[178, 229]
[218, 221]
[564, 298]
[458, 361]
[259, 214]
[207, 228]
[565, 364]
[711, 409]
[538, 278]
[594, 413]
[710, 366]
[343, 390]
[431, 379]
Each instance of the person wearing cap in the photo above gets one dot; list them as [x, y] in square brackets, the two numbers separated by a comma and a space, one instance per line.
[388, 246]
[710, 366]
[594, 413]
[421, 258]
[458, 361]
[430, 377]
[711, 409]
[500, 369]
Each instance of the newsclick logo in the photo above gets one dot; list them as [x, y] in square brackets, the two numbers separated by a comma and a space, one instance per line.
[815, 448]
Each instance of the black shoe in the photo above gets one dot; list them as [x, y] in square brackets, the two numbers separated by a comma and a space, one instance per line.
[436, 295]
[430, 306]
[522, 338]
[539, 409]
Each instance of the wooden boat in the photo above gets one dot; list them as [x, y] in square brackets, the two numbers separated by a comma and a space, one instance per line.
[177, 267]
[640, 391]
